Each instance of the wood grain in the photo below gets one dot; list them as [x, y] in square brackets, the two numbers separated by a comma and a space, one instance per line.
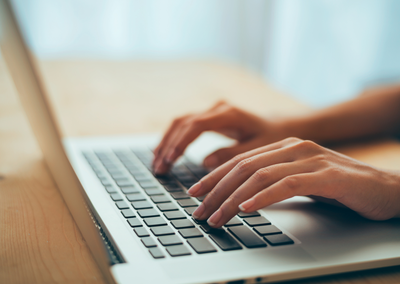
[39, 241]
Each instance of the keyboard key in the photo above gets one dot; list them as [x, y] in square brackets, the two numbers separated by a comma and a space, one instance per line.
[278, 240]
[116, 197]
[129, 189]
[200, 173]
[164, 179]
[156, 253]
[110, 189]
[160, 198]
[190, 210]
[201, 245]
[178, 250]
[105, 182]
[225, 241]
[170, 240]
[135, 197]
[134, 170]
[141, 232]
[114, 170]
[198, 221]
[148, 184]
[173, 188]
[124, 183]
[153, 191]
[155, 221]
[201, 198]
[246, 215]
[149, 242]
[208, 229]
[257, 221]
[119, 177]
[247, 237]
[128, 213]
[142, 177]
[181, 224]
[141, 205]
[180, 195]
[267, 230]
[122, 205]
[146, 213]
[167, 206]
[162, 231]
[187, 178]
[190, 233]
[235, 221]
[134, 222]
[174, 215]
[187, 203]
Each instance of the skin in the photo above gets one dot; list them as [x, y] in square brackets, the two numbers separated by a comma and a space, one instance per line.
[263, 167]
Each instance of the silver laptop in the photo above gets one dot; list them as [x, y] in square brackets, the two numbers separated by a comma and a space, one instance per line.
[139, 227]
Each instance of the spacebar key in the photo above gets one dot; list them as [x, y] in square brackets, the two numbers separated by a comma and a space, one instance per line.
[225, 241]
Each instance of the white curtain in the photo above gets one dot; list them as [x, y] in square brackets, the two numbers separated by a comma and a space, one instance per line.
[232, 30]
[320, 51]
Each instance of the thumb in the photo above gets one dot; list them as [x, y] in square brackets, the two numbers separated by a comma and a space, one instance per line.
[225, 154]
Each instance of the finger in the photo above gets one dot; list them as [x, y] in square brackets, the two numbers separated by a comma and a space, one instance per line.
[225, 154]
[261, 179]
[290, 186]
[167, 154]
[207, 183]
[189, 131]
[237, 176]
[170, 131]
[163, 165]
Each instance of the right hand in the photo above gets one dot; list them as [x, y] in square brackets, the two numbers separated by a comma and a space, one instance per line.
[250, 131]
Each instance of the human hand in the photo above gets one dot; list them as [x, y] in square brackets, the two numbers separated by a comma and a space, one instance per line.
[294, 167]
[250, 131]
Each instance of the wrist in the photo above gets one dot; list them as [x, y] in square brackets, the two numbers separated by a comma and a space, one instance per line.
[299, 127]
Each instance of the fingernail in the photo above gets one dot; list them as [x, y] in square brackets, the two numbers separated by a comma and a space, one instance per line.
[247, 204]
[199, 211]
[214, 219]
[211, 162]
[194, 189]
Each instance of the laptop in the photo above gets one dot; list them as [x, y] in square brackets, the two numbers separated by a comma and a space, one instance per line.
[139, 228]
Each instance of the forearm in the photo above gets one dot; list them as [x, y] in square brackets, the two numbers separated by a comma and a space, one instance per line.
[376, 112]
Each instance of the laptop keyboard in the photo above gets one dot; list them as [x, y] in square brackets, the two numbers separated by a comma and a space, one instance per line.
[159, 211]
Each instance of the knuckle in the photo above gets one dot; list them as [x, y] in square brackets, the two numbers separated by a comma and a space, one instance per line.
[292, 183]
[292, 140]
[238, 158]
[336, 171]
[261, 175]
[320, 159]
[307, 145]
[244, 165]
[233, 199]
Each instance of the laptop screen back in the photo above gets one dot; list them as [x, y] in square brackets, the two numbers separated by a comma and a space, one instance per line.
[37, 107]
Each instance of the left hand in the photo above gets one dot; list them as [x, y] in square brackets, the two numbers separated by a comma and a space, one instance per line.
[294, 167]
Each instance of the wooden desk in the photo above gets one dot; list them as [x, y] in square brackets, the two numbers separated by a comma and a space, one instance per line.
[39, 241]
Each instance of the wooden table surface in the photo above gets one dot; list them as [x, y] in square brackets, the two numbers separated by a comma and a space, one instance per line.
[39, 241]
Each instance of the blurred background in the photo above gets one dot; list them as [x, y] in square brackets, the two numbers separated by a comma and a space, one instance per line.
[319, 51]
